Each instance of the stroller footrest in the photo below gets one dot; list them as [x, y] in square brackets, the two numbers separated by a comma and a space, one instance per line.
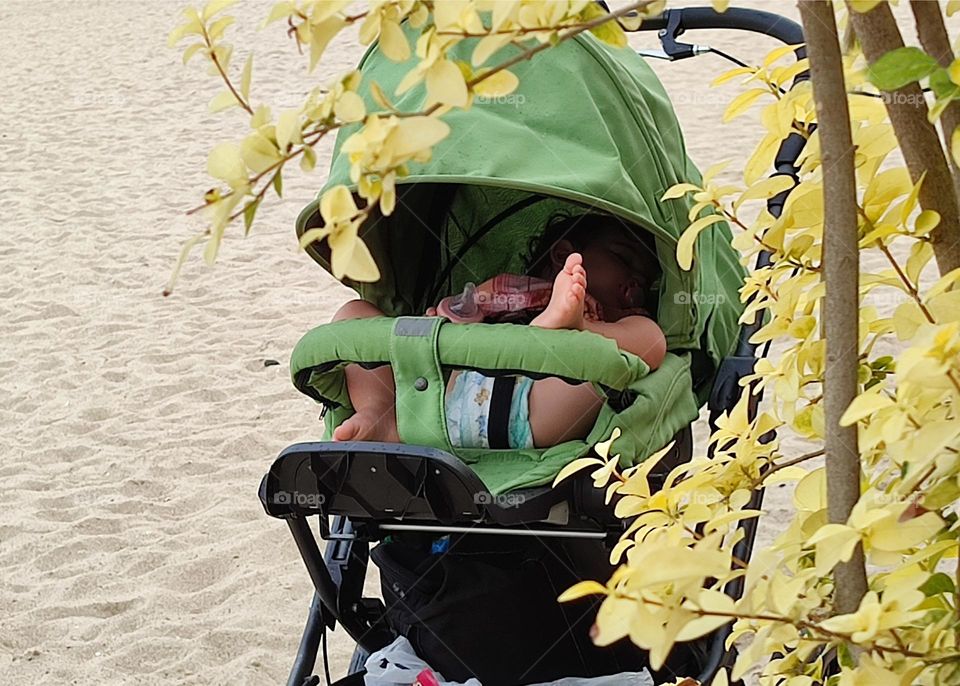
[390, 483]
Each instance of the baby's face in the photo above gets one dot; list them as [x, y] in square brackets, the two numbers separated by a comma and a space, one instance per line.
[617, 272]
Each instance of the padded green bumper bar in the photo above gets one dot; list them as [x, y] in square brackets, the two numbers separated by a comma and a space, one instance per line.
[319, 358]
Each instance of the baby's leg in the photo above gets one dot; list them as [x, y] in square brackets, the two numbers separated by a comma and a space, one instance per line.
[635, 334]
[561, 412]
[372, 391]
[565, 309]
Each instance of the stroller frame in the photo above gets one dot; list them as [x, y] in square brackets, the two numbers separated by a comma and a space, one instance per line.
[437, 492]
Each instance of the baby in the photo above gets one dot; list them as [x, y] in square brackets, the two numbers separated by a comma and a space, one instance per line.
[548, 411]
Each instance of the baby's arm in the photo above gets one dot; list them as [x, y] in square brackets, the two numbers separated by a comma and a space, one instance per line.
[635, 334]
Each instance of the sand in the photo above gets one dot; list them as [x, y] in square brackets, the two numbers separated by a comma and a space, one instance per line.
[136, 428]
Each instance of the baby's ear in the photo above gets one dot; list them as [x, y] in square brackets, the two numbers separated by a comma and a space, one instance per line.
[559, 252]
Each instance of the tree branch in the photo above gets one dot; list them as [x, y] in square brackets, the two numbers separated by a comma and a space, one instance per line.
[935, 40]
[840, 274]
[879, 34]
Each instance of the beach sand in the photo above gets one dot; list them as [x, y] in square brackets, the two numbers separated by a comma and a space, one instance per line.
[136, 428]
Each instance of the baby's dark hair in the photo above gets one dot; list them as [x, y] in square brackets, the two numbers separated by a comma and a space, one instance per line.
[580, 230]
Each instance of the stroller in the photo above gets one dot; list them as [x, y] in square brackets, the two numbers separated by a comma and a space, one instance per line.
[474, 545]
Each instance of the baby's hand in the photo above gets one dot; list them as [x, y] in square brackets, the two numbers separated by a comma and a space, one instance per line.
[431, 312]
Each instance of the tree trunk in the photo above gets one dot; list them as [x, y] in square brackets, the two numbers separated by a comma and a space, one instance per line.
[841, 269]
[878, 34]
[936, 41]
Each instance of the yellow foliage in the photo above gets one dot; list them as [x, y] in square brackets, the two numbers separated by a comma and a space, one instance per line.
[676, 554]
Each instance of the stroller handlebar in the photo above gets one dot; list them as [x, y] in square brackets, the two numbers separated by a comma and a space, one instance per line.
[673, 23]
[318, 359]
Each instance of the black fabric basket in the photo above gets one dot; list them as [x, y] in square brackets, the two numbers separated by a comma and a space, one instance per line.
[488, 609]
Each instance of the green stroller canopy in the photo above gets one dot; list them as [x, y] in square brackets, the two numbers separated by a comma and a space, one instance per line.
[589, 128]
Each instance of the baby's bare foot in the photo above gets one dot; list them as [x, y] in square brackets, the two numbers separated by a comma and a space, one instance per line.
[367, 425]
[565, 309]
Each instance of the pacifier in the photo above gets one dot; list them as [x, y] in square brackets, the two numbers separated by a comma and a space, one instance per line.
[461, 308]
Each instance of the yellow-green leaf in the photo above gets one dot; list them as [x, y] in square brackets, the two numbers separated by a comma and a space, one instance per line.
[259, 152]
[579, 590]
[953, 71]
[742, 103]
[288, 129]
[393, 42]
[603, 447]
[361, 265]
[379, 97]
[921, 253]
[765, 189]
[309, 159]
[215, 7]
[865, 405]
[350, 107]
[320, 36]
[862, 6]
[181, 259]
[488, 45]
[445, 84]
[907, 318]
[226, 164]
[261, 116]
[901, 535]
[419, 133]
[611, 33]
[213, 244]
[191, 28]
[312, 235]
[778, 54]
[576, 466]
[337, 205]
[689, 238]
[502, 83]
[191, 51]
[679, 190]
[762, 158]
[732, 74]
[834, 543]
[216, 30]
[280, 10]
[223, 100]
[926, 222]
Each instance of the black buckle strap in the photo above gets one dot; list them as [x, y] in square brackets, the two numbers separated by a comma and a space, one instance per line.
[498, 422]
